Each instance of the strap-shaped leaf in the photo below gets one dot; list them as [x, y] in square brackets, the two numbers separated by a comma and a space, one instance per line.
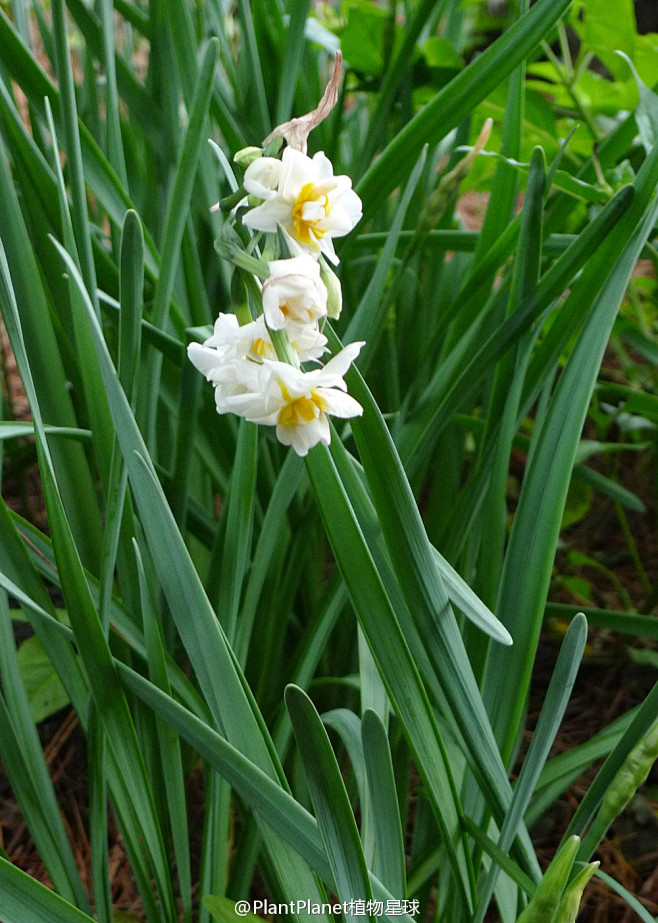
[220, 677]
[23, 898]
[330, 801]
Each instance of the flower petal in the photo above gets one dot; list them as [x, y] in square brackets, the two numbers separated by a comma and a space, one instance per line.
[340, 404]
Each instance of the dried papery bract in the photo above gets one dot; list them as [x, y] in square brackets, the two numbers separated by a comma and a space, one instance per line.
[296, 131]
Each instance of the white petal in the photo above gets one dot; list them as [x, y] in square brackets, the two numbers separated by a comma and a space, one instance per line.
[204, 359]
[297, 170]
[301, 265]
[296, 382]
[344, 216]
[323, 166]
[305, 436]
[341, 404]
[327, 247]
[269, 215]
[225, 326]
[342, 360]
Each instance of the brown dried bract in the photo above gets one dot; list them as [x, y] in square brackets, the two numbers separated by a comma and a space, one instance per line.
[296, 131]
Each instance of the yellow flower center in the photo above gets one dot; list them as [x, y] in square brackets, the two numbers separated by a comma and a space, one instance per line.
[300, 409]
[307, 230]
[259, 347]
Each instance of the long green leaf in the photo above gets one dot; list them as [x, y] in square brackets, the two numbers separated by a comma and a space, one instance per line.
[70, 124]
[330, 801]
[297, 826]
[23, 898]
[389, 862]
[23, 279]
[26, 769]
[555, 703]
[223, 685]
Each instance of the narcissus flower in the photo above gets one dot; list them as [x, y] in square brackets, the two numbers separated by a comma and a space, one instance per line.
[232, 346]
[309, 202]
[297, 403]
[294, 293]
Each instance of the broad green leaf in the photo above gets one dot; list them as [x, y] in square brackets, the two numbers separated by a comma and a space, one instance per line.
[44, 689]
[610, 27]
[362, 38]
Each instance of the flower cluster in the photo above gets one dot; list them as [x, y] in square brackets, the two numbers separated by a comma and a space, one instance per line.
[298, 203]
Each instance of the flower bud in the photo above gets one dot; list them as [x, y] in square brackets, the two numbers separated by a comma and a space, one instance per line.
[547, 897]
[570, 903]
[247, 155]
[334, 290]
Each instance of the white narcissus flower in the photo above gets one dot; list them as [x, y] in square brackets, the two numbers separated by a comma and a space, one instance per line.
[310, 203]
[232, 346]
[294, 293]
[297, 403]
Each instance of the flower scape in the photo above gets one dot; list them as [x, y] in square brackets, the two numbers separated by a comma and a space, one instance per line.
[255, 367]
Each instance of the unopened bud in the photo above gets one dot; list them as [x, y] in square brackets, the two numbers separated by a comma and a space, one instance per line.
[438, 202]
[247, 155]
[547, 897]
[229, 246]
[570, 903]
[334, 290]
